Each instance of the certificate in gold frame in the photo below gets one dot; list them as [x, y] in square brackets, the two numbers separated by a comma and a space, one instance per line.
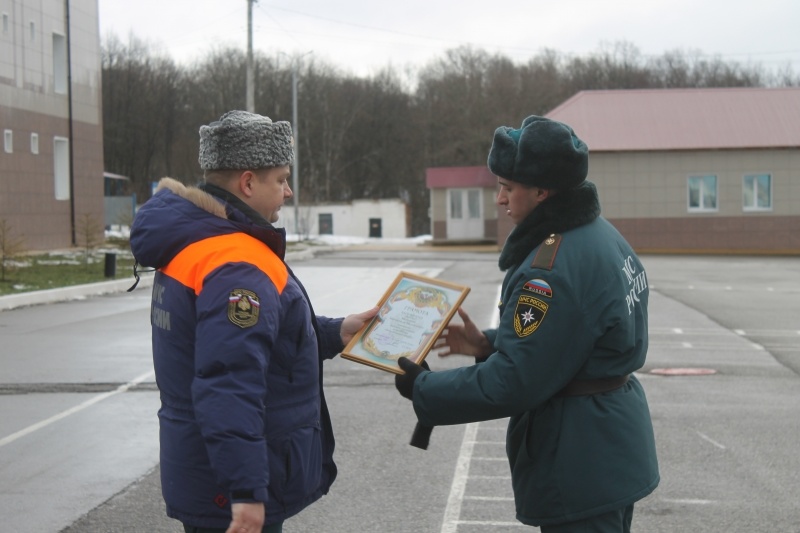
[413, 312]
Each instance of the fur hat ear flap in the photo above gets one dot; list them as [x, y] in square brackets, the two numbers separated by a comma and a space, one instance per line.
[542, 153]
[503, 155]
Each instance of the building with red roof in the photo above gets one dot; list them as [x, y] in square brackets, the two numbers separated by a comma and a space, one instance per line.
[686, 170]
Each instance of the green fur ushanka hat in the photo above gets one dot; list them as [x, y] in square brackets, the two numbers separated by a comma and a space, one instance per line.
[542, 153]
[240, 140]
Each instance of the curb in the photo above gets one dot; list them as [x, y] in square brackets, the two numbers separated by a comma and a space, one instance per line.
[80, 292]
[74, 292]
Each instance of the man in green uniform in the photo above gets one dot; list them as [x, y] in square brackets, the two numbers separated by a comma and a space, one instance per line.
[572, 330]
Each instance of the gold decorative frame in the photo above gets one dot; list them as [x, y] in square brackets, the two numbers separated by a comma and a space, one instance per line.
[413, 312]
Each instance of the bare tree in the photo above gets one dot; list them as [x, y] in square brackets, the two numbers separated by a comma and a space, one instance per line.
[369, 137]
[143, 103]
[330, 105]
[11, 246]
[692, 68]
[90, 235]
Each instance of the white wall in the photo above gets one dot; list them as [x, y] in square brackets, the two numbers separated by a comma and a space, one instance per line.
[349, 219]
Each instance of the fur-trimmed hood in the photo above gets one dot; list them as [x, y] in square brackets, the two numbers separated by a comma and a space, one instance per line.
[195, 195]
[177, 216]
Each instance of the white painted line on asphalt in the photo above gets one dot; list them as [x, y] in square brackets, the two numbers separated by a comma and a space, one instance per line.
[712, 441]
[493, 429]
[487, 523]
[690, 501]
[677, 331]
[80, 407]
[453, 509]
[740, 332]
[686, 344]
[725, 346]
[714, 332]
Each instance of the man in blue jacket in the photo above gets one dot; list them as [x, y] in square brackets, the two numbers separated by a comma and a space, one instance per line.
[246, 439]
[572, 330]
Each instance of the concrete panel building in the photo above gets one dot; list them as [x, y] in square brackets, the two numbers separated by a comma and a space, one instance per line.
[51, 162]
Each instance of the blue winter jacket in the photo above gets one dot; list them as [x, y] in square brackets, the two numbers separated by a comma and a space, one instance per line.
[238, 357]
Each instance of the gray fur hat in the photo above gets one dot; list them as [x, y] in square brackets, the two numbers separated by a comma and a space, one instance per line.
[245, 141]
[542, 153]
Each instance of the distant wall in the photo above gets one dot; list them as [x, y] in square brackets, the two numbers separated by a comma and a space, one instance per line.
[351, 219]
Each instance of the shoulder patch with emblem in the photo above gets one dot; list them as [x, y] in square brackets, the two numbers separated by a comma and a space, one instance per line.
[243, 307]
[529, 314]
[540, 287]
[546, 255]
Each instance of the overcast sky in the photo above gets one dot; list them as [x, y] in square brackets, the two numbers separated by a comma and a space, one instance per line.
[362, 36]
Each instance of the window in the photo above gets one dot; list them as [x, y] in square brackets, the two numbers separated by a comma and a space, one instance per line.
[8, 141]
[470, 197]
[474, 203]
[61, 167]
[702, 193]
[59, 64]
[456, 207]
[757, 192]
[34, 143]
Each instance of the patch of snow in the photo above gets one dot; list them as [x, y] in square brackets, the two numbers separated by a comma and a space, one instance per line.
[345, 240]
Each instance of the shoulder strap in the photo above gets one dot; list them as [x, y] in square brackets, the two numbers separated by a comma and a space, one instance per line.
[546, 255]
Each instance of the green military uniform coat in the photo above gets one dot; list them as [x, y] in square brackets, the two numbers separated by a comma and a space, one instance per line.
[577, 312]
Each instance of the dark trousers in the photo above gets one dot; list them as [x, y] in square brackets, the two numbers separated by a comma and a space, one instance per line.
[272, 528]
[618, 521]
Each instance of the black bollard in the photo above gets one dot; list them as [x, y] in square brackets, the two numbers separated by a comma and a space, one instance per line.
[111, 265]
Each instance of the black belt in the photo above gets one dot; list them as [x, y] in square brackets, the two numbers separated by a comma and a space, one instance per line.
[587, 387]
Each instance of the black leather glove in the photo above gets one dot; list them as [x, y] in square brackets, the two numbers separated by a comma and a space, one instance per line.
[405, 386]
[421, 436]
[404, 383]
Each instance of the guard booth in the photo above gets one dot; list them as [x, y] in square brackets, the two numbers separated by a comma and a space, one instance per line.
[463, 208]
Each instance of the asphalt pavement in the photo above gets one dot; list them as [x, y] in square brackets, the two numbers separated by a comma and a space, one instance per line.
[722, 379]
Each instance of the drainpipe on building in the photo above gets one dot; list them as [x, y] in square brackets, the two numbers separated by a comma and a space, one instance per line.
[69, 122]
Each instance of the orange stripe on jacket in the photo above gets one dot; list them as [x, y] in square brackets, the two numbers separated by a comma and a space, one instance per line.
[191, 266]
